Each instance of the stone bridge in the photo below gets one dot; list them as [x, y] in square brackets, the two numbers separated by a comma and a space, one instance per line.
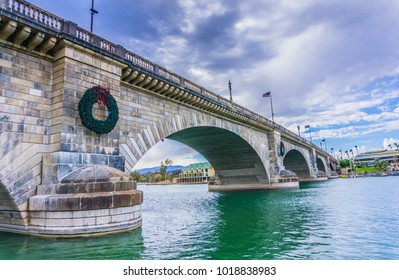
[57, 177]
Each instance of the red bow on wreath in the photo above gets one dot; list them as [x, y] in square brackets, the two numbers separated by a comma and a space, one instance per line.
[102, 95]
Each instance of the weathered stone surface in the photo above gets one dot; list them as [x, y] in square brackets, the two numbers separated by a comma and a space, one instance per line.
[87, 201]
[91, 199]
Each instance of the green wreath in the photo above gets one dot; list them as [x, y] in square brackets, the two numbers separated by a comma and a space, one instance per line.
[282, 149]
[101, 96]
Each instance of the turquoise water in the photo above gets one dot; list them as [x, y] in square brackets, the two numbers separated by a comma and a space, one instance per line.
[336, 219]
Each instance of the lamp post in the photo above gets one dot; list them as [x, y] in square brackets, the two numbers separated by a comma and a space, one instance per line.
[299, 130]
[93, 12]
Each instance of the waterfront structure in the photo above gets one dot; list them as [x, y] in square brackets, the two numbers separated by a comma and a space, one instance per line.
[368, 158]
[197, 173]
[62, 166]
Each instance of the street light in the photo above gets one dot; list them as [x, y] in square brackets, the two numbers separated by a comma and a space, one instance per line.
[93, 12]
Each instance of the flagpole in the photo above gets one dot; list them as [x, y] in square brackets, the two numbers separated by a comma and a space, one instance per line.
[310, 132]
[269, 94]
[271, 106]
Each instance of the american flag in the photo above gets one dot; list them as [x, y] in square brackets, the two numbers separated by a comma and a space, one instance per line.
[267, 94]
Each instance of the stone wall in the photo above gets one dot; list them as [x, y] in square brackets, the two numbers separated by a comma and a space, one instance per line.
[25, 129]
[75, 71]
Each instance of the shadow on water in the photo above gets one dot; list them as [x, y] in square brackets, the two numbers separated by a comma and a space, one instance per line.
[122, 246]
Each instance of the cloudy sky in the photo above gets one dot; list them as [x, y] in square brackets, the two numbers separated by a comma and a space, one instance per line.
[331, 64]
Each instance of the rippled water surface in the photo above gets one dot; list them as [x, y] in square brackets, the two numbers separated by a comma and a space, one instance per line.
[336, 219]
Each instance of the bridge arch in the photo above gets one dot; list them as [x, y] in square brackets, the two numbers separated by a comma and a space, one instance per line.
[296, 161]
[237, 153]
[321, 164]
[235, 161]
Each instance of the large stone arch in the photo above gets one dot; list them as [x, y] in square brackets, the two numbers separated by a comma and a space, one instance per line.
[228, 146]
[297, 162]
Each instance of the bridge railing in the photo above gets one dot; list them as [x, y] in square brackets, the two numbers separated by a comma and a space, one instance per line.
[34, 13]
[68, 28]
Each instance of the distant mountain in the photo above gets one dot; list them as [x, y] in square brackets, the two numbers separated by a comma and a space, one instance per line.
[172, 168]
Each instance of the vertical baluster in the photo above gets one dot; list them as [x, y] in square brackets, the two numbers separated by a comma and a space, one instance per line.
[30, 12]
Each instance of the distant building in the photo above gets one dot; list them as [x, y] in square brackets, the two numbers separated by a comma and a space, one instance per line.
[392, 157]
[197, 173]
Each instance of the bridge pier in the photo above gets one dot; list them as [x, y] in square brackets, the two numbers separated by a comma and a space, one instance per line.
[90, 200]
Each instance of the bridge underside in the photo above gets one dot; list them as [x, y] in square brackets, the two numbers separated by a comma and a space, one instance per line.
[234, 160]
[297, 163]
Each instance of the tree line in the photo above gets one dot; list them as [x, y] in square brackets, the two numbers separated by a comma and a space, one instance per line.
[157, 176]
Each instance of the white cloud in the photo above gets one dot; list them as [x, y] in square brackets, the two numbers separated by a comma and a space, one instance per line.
[389, 143]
